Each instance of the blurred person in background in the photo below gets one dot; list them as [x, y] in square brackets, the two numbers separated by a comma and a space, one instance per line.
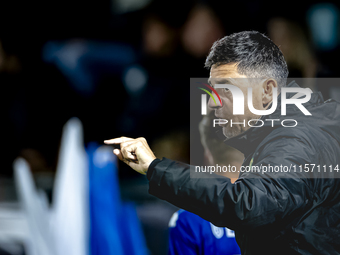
[200, 31]
[295, 45]
[190, 234]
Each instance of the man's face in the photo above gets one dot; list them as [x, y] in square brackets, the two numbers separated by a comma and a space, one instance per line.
[227, 74]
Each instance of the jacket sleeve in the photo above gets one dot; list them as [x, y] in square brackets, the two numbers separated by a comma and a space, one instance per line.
[255, 199]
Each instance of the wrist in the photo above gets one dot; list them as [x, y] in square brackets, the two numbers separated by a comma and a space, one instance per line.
[152, 166]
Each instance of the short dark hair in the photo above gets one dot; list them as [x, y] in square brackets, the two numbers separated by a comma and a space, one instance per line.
[254, 53]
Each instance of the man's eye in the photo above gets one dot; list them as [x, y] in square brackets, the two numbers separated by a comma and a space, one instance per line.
[226, 89]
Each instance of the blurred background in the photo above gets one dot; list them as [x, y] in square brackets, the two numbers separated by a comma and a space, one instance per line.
[117, 66]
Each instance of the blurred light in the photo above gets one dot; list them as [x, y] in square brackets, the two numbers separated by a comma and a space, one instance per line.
[323, 20]
[103, 155]
[67, 55]
[124, 6]
[135, 78]
[84, 62]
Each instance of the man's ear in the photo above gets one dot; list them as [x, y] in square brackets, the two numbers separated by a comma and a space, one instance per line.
[267, 95]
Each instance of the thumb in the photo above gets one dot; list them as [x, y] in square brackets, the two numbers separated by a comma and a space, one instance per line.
[118, 153]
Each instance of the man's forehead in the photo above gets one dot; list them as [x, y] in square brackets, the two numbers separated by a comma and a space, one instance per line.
[223, 74]
[221, 80]
[225, 71]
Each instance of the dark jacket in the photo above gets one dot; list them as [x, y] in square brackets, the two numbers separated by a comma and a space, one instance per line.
[273, 213]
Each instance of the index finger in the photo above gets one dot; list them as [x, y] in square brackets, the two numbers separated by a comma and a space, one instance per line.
[118, 140]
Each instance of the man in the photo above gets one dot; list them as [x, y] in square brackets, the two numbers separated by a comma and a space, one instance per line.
[271, 212]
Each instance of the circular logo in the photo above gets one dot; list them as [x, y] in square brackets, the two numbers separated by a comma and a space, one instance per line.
[217, 231]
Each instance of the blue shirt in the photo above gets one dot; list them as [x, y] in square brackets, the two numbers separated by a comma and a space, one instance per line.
[190, 234]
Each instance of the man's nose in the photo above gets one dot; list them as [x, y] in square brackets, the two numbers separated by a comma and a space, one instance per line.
[214, 102]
